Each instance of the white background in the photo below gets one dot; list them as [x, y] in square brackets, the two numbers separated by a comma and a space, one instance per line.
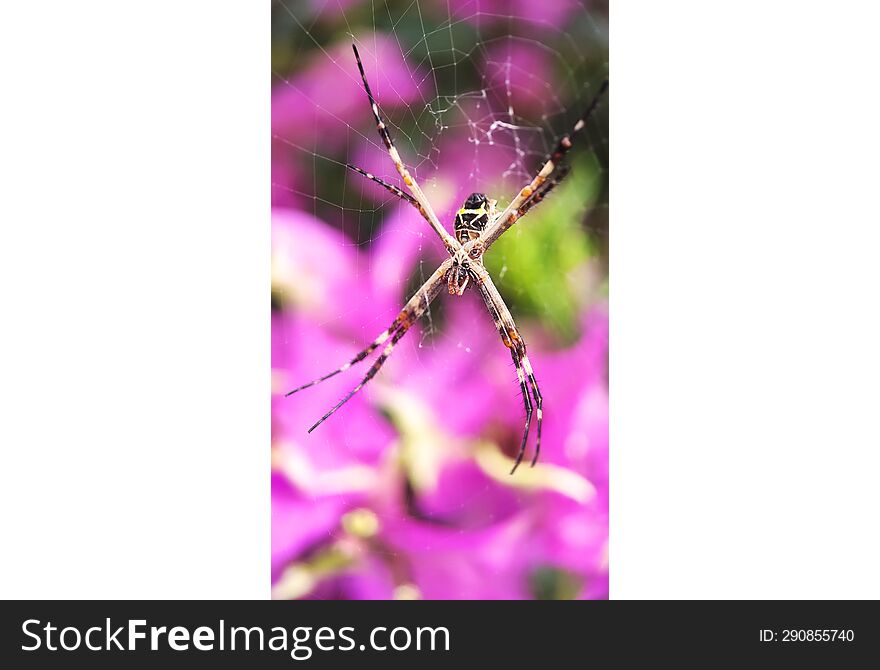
[134, 274]
[134, 289]
[745, 272]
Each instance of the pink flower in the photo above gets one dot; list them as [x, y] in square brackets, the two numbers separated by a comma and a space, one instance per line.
[423, 451]
[313, 109]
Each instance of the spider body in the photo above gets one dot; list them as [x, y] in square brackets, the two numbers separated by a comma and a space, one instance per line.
[473, 217]
[460, 273]
[477, 225]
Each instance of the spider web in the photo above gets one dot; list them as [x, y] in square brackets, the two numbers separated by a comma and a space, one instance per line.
[475, 95]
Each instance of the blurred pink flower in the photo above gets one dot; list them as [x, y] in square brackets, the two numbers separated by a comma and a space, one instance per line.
[520, 74]
[449, 522]
[327, 88]
[315, 109]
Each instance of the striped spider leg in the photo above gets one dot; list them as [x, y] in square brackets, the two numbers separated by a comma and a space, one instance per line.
[415, 307]
[421, 201]
[390, 187]
[545, 188]
[517, 346]
[513, 211]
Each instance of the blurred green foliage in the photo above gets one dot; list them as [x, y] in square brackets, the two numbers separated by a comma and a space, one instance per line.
[549, 583]
[539, 264]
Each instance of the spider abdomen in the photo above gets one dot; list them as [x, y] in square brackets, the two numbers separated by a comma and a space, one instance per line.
[473, 217]
[469, 224]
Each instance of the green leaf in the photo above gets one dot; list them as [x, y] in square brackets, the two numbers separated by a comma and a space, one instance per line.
[540, 265]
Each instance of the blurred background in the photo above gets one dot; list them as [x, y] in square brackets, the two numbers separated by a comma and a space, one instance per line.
[405, 492]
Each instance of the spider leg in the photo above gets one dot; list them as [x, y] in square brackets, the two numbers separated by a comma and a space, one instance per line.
[510, 215]
[539, 405]
[396, 191]
[524, 372]
[528, 403]
[358, 357]
[415, 307]
[450, 242]
[542, 192]
[392, 188]
[374, 368]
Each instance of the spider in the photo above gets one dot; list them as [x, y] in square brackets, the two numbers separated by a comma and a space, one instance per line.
[477, 225]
